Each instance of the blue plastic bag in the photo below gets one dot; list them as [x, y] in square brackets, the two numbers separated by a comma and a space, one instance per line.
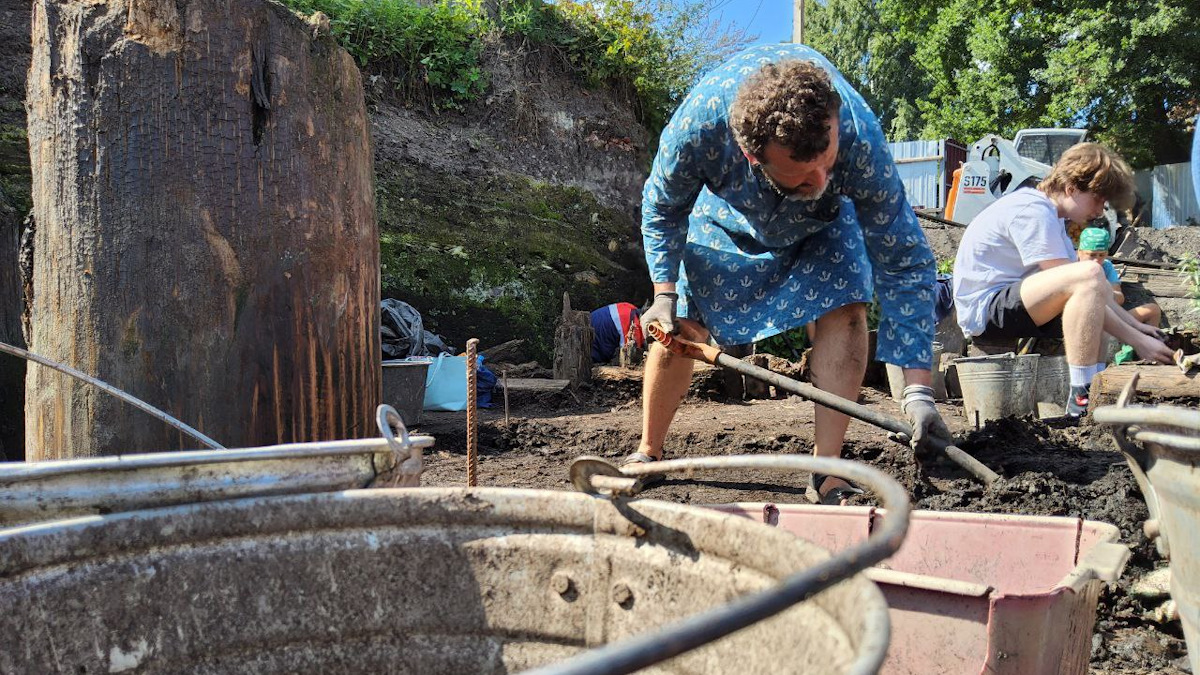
[446, 383]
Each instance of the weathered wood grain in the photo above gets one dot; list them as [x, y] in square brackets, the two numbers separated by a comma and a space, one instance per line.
[202, 184]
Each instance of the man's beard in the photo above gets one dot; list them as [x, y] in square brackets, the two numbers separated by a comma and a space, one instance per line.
[795, 195]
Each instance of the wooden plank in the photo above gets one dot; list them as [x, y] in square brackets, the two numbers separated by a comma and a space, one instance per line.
[536, 384]
[1158, 383]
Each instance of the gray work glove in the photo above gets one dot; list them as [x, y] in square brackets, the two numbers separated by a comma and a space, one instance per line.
[927, 424]
[662, 312]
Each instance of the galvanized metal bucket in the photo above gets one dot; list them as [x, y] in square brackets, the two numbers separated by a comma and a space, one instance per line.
[1162, 447]
[439, 580]
[52, 490]
[998, 386]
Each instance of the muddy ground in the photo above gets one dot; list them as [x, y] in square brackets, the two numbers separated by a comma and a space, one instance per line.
[1050, 469]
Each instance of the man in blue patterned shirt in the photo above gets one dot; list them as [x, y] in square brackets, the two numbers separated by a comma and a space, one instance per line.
[773, 202]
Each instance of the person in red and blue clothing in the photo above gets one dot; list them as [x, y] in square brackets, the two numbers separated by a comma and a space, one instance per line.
[614, 324]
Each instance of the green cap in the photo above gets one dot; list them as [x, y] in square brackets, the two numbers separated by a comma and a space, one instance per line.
[1093, 239]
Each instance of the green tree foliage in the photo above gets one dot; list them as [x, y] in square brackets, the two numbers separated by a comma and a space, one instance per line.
[874, 57]
[659, 47]
[933, 68]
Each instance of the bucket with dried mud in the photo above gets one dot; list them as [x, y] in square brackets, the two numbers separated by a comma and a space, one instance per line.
[997, 386]
[444, 580]
[1053, 386]
[1162, 447]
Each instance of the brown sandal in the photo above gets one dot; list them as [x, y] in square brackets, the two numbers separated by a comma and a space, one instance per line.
[835, 496]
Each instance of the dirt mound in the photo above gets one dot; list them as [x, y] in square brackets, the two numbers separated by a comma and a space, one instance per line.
[1167, 245]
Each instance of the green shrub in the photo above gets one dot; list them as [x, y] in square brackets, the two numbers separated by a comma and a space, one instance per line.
[433, 50]
[425, 49]
[788, 344]
[1189, 278]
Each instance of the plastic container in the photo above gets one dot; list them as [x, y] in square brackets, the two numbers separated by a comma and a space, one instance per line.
[1053, 386]
[975, 593]
[404, 387]
[446, 384]
[995, 387]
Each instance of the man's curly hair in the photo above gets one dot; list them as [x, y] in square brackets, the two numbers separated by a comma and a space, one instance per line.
[789, 102]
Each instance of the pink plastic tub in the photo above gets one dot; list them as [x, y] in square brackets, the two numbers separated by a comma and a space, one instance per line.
[976, 593]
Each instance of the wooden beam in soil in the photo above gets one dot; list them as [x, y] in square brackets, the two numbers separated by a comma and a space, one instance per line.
[1155, 382]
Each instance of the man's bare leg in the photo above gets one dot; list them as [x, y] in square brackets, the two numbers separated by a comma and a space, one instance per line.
[839, 362]
[1079, 292]
[664, 385]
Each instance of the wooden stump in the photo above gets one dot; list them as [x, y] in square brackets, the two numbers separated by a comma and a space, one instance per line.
[573, 345]
[206, 240]
[1155, 383]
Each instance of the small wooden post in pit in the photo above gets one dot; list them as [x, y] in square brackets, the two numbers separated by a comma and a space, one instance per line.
[573, 346]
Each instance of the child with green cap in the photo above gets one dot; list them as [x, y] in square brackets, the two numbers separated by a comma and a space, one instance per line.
[1093, 246]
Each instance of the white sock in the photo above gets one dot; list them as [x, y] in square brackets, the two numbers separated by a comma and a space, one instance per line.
[1081, 376]
[1097, 368]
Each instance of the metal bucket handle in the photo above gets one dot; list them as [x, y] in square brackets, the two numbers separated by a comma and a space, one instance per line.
[1125, 425]
[595, 476]
[406, 455]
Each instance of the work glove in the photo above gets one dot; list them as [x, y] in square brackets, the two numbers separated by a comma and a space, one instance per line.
[662, 312]
[927, 424]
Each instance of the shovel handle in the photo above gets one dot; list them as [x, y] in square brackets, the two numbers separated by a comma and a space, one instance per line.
[714, 356]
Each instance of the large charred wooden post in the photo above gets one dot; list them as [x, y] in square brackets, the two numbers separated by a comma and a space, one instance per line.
[206, 238]
[12, 370]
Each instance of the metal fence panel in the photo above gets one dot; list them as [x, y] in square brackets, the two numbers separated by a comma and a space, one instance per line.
[919, 164]
[1174, 196]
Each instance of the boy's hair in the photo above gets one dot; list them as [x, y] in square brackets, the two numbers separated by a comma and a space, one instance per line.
[1091, 167]
[789, 102]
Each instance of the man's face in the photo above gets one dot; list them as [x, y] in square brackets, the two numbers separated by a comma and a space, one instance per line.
[1097, 257]
[798, 181]
[1082, 207]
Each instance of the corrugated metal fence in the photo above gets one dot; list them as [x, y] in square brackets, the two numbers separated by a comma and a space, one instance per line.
[925, 168]
[1167, 190]
[1170, 194]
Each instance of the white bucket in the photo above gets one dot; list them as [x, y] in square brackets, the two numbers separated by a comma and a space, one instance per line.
[1053, 386]
[995, 387]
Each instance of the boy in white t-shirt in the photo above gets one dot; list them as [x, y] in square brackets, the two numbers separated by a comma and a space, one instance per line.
[1016, 274]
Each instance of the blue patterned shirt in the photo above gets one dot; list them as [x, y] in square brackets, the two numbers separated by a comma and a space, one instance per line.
[751, 264]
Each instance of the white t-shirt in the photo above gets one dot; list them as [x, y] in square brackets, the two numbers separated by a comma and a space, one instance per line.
[1003, 245]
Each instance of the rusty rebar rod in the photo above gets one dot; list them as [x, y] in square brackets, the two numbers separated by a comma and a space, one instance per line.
[472, 423]
[714, 356]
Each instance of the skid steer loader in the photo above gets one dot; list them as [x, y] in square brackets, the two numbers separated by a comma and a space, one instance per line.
[996, 166]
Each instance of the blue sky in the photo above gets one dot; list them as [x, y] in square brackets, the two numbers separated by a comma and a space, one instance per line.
[770, 19]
